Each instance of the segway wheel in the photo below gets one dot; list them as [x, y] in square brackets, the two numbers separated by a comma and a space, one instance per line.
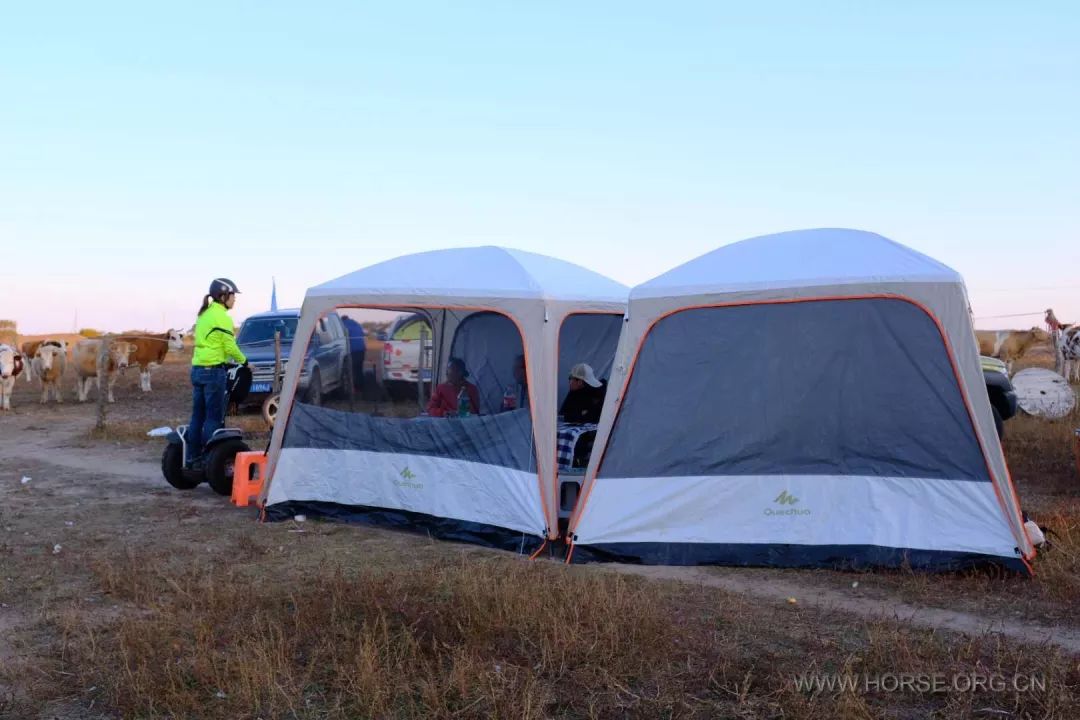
[172, 467]
[220, 464]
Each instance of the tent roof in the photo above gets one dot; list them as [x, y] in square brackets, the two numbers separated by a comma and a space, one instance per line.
[472, 272]
[799, 258]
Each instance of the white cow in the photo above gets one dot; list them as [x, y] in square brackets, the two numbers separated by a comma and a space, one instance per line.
[11, 366]
[85, 356]
[1069, 353]
[48, 365]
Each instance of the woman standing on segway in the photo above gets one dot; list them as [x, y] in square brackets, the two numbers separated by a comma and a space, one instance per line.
[215, 345]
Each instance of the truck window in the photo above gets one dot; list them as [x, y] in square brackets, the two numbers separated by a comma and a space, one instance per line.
[411, 331]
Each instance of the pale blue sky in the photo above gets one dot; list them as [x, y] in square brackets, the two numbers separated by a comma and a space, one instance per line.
[145, 148]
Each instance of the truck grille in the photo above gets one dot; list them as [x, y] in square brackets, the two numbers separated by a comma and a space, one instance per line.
[264, 372]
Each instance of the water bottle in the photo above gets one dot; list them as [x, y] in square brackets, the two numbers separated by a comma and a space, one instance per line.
[462, 402]
[509, 401]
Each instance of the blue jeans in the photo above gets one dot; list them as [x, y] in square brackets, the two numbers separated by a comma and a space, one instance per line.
[207, 408]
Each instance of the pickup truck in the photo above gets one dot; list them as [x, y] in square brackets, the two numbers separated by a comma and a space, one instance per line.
[326, 369]
[400, 370]
[1000, 390]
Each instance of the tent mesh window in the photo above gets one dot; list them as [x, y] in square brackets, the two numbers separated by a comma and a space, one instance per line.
[380, 417]
[826, 387]
[489, 344]
[588, 338]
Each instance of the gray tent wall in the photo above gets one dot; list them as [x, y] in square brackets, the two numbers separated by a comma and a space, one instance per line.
[787, 267]
[554, 291]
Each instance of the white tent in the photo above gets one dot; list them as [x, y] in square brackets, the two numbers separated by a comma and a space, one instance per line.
[489, 478]
[811, 398]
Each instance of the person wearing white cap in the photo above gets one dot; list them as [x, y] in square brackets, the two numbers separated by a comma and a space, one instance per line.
[586, 397]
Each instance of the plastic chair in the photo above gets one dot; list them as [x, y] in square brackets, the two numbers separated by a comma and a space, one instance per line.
[248, 469]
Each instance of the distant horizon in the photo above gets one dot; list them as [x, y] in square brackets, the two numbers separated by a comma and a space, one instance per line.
[1003, 321]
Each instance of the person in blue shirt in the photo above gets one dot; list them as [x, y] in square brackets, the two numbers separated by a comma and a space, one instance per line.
[357, 340]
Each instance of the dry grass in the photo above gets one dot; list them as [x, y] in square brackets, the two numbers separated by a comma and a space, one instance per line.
[1041, 456]
[481, 636]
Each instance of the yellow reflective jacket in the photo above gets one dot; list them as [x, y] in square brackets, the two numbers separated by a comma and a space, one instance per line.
[214, 340]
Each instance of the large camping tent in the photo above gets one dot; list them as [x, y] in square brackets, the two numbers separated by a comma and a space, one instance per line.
[489, 478]
[811, 398]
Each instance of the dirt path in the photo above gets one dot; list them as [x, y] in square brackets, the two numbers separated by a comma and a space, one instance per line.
[777, 590]
[56, 440]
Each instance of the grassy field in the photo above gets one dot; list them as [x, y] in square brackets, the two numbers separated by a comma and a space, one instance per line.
[122, 598]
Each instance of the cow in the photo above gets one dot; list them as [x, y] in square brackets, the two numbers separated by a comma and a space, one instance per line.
[85, 356]
[1069, 353]
[11, 366]
[48, 365]
[150, 351]
[1009, 345]
[29, 350]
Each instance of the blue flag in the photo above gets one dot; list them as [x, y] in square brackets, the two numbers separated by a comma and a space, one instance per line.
[273, 296]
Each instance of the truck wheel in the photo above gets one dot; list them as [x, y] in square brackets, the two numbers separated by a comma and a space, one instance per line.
[220, 463]
[314, 393]
[172, 467]
[999, 424]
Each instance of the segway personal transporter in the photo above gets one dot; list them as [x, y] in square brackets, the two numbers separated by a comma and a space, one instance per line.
[220, 451]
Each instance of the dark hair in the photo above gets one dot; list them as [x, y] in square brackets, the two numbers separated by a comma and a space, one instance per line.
[207, 299]
[459, 364]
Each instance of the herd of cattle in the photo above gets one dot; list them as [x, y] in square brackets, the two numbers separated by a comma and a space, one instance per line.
[48, 362]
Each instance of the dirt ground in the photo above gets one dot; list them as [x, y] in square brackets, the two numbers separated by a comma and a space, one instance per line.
[74, 506]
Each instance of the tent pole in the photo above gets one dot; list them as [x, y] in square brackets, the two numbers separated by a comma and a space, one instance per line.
[420, 369]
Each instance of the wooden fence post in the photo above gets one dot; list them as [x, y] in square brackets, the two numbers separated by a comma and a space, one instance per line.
[103, 379]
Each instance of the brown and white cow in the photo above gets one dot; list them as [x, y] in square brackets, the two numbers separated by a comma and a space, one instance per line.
[11, 366]
[29, 350]
[1010, 345]
[150, 351]
[48, 365]
[84, 357]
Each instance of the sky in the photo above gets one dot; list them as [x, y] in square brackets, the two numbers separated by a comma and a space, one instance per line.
[146, 148]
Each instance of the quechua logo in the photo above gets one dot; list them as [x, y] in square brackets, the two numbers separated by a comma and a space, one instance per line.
[407, 480]
[787, 503]
[785, 499]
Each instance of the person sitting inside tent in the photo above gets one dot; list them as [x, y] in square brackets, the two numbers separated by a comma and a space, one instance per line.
[517, 394]
[586, 397]
[446, 400]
